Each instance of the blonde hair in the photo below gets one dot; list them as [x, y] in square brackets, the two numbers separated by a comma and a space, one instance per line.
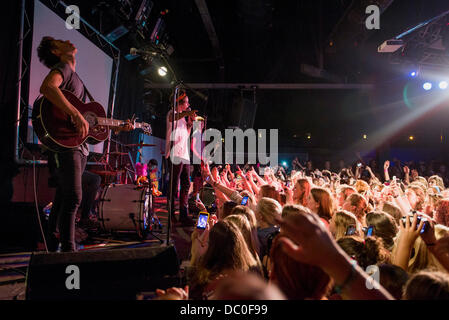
[267, 209]
[343, 219]
[250, 234]
[361, 186]
[393, 210]
[422, 258]
[292, 209]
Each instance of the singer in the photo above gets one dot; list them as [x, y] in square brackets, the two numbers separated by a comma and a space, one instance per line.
[177, 152]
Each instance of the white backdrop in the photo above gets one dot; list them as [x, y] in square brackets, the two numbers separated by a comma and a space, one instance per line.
[93, 65]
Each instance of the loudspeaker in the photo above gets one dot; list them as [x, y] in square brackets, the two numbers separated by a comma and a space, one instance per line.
[116, 274]
[243, 113]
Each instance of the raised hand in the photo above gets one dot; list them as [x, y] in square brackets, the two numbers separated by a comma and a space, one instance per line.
[173, 293]
[406, 170]
[386, 165]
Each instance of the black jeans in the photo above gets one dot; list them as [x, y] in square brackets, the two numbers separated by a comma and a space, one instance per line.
[68, 168]
[181, 174]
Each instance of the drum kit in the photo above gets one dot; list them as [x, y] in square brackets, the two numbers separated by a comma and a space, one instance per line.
[123, 205]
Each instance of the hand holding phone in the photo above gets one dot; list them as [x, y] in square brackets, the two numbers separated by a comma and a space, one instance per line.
[203, 218]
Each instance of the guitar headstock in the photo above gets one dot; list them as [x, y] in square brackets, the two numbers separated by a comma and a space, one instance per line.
[146, 128]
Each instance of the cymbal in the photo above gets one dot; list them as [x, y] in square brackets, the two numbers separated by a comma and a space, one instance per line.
[118, 153]
[140, 145]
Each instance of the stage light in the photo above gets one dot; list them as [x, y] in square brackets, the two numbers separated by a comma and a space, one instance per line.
[413, 74]
[427, 86]
[309, 136]
[443, 85]
[364, 136]
[284, 163]
[411, 138]
[162, 71]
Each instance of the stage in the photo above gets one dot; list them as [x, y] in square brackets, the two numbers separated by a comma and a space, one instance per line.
[14, 265]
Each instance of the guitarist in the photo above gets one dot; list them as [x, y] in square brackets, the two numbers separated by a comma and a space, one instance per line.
[68, 166]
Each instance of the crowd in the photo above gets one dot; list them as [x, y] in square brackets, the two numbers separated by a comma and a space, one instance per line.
[311, 234]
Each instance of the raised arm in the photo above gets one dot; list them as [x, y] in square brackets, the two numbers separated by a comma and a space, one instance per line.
[305, 239]
[386, 166]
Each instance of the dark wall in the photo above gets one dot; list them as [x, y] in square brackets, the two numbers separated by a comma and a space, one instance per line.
[9, 32]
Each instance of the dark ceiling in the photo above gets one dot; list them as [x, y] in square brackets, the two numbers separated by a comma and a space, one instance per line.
[267, 41]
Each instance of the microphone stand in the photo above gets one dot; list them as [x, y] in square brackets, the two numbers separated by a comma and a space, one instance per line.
[170, 185]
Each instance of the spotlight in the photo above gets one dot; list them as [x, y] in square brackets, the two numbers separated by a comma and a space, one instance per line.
[364, 136]
[162, 71]
[411, 138]
[284, 163]
[413, 74]
[443, 85]
[427, 86]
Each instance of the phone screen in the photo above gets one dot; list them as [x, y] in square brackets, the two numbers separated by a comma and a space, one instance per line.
[202, 220]
[369, 232]
[350, 230]
[198, 197]
[244, 201]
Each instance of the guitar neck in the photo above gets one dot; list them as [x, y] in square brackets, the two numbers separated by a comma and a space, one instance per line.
[116, 123]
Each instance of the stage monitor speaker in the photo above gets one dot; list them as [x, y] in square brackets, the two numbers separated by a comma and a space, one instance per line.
[116, 274]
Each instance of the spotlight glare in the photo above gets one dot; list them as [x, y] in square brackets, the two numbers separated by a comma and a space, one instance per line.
[162, 71]
[443, 85]
[284, 163]
[411, 138]
[413, 74]
[427, 86]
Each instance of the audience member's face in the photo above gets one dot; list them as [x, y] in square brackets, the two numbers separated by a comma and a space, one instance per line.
[327, 165]
[412, 198]
[312, 204]
[298, 190]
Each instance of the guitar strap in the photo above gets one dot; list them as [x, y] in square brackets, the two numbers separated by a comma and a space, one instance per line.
[88, 93]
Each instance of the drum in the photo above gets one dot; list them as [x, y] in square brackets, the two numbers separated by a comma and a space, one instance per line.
[125, 207]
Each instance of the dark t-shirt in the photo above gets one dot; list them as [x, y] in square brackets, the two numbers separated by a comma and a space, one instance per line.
[72, 82]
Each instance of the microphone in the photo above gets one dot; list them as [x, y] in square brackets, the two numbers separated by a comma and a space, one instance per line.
[135, 52]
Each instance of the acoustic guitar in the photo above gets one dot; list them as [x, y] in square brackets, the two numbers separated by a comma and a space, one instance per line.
[55, 129]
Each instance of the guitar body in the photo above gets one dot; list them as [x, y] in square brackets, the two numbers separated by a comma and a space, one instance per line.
[55, 130]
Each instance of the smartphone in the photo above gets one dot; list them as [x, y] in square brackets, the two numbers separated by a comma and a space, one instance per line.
[244, 201]
[203, 218]
[359, 164]
[350, 230]
[288, 184]
[418, 221]
[197, 197]
[369, 231]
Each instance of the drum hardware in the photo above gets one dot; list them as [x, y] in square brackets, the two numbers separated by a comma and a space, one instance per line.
[120, 210]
